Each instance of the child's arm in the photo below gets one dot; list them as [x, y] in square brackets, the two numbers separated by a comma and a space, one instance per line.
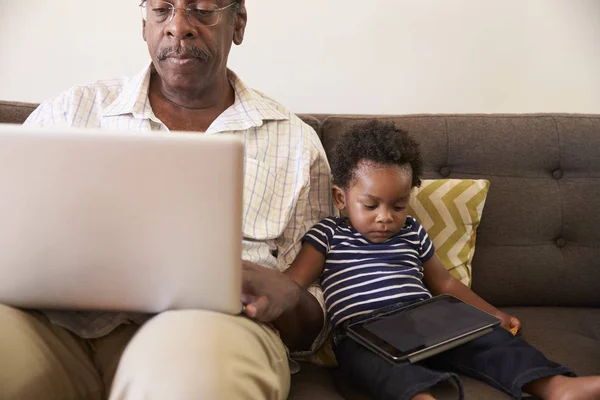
[307, 266]
[438, 280]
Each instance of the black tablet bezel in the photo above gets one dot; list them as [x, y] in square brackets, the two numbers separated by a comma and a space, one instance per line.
[358, 329]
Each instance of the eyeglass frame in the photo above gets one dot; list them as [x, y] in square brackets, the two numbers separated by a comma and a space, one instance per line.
[186, 12]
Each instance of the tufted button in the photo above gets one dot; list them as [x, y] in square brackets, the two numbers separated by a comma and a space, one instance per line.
[561, 242]
[445, 172]
[557, 174]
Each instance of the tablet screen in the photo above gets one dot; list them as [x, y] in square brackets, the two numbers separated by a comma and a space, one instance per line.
[423, 325]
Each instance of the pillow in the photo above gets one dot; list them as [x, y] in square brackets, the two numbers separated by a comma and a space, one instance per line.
[450, 211]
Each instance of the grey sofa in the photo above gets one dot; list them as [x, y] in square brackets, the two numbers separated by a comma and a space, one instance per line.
[538, 246]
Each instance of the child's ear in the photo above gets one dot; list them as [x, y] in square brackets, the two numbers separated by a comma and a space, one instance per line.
[339, 197]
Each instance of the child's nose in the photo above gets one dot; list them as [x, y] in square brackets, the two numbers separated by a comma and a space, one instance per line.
[384, 216]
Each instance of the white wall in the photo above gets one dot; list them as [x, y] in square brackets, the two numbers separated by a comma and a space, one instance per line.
[338, 56]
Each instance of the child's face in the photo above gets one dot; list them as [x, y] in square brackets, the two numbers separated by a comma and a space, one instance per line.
[376, 201]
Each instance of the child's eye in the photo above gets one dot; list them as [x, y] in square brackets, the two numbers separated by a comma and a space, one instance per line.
[369, 207]
[399, 208]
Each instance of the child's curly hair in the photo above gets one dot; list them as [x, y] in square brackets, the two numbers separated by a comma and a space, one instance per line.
[378, 142]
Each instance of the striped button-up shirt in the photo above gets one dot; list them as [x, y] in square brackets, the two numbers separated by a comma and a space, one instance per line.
[287, 185]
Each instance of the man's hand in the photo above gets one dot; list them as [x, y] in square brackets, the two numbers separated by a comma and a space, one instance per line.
[267, 293]
[510, 323]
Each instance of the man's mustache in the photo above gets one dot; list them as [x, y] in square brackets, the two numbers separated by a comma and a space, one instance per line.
[191, 50]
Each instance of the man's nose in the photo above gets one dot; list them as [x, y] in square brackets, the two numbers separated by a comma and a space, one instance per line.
[180, 26]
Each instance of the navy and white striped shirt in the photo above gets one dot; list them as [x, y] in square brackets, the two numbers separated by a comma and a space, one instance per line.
[361, 276]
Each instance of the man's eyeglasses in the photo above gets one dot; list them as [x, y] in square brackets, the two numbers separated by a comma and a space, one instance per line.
[201, 13]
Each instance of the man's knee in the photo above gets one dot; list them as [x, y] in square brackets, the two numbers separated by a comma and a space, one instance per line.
[202, 355]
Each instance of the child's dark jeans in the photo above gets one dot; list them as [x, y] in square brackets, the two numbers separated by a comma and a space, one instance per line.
[498, 358]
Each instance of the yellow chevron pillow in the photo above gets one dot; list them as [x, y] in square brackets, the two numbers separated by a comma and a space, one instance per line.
[450, 211]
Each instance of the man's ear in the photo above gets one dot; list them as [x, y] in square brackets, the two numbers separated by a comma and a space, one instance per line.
[239, 23]
[144, 30]
[339, 197]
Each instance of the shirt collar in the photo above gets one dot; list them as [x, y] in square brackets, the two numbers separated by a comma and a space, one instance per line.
[250, 108]
[133, 98]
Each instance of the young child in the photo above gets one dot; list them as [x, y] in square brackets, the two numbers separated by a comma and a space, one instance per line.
[377, 256]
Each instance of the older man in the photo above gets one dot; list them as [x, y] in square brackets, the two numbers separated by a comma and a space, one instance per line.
[188, 354]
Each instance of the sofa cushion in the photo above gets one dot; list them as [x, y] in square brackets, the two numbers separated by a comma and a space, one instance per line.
[450, 211]
[13, 112]
[473, 390]
[538, 240]
[570, 336]
[313, 382]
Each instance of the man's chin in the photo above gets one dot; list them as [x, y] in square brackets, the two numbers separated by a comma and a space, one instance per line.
[183, 78]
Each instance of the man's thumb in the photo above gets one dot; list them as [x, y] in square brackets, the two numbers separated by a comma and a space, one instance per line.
[256, 309]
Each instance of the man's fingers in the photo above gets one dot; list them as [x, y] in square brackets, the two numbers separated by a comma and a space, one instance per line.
[251, 278]
[247, 286]
[247, 266]
[247, 298]
[249, 282]
[257, 308]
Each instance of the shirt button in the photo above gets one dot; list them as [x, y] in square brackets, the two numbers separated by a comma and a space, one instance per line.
[561, 242]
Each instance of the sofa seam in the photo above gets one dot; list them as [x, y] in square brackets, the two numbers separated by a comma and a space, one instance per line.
[591, 246]
[445, 116]
[447, 144]
[511, 176]
[562, 206]
[17, 105]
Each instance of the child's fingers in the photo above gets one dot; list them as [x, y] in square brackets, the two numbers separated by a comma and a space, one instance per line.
[515, 326]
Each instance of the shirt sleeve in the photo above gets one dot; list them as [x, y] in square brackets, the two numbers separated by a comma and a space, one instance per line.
[426, 247]
[52, 112]
[321, 235]
[314, 204]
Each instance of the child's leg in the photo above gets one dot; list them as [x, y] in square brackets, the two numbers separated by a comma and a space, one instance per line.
[566, 388]
[384, 380]
[423, 396]
[506, 362]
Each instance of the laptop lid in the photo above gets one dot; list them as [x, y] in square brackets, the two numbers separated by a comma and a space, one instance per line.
[98, 220]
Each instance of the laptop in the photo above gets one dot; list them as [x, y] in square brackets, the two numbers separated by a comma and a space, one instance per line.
[117, 221]
[424, 329]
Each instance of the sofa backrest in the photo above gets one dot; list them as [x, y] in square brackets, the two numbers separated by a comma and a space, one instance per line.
[539, 239]
[12, 112]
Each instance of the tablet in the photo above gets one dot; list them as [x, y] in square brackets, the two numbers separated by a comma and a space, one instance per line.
[423, 329]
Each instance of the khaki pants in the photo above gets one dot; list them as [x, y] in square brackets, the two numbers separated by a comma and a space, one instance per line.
[177, 355]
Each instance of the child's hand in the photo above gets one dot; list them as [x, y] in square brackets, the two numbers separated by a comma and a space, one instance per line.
[510, 323]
